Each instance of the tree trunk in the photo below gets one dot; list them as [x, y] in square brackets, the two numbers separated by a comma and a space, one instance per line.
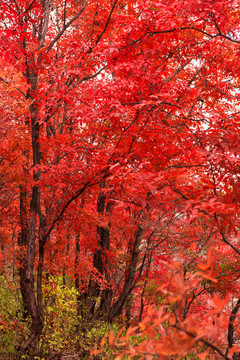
[144, 287]
[33, 302]
[22, 243]
[100, 263]
[77, 280]
[117, 307]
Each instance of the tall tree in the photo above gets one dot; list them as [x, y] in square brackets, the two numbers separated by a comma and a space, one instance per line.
[124, 115]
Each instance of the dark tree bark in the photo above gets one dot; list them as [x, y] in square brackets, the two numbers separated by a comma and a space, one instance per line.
[100, 262]
[34, 304]
[117, 306]
[144, 287]
[22, 243]
[231, 327]
[77, 279]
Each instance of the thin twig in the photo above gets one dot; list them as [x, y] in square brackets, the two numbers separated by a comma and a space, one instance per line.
[66, 26]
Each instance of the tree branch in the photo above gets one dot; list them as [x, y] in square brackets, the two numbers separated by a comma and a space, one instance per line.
[6, 82]
[205, 342]
[66, 26]
[231, 324]
[60, 215]
[108, 20]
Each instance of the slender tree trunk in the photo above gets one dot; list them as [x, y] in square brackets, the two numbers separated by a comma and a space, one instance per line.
[77, 280]
[29, 282]
[33, 302]
[100, 263]
[29, 237]
[117, 307]
[22, 243]
[128, 305]
[144, 287]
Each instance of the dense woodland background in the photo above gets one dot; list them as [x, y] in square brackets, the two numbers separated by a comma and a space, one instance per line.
[119, 179]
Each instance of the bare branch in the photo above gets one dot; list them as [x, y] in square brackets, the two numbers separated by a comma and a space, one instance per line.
[228, 243]
[64, 14]
[107, 23]
[18, 10]
[66, 26]
[225, 239]
[29, 7]
[220, 32]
